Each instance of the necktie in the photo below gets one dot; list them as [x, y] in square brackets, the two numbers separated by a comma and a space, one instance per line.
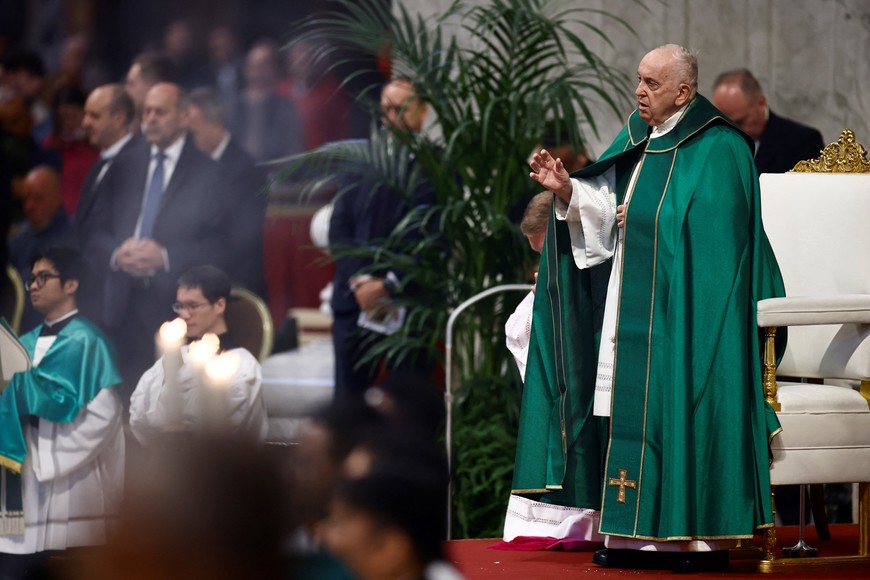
[152, 197]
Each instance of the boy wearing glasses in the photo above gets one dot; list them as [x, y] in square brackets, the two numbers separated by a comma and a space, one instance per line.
[201, 300]
[61, 435]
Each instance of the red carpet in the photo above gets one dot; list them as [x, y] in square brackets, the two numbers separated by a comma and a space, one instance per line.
[476, 560]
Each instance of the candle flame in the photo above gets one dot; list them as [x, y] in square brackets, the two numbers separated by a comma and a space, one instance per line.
[173, 332]
[221, 369]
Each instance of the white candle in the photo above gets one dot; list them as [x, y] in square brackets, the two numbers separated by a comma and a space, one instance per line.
[220, 372]
[170, 338]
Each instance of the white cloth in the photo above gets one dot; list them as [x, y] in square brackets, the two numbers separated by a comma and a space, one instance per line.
[529, 518]
[72, 479]
[518, 332]
[246, 411]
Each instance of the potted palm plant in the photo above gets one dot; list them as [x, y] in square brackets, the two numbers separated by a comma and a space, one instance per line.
[523, 67]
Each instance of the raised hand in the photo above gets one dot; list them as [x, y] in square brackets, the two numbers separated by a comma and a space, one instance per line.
[551, 174]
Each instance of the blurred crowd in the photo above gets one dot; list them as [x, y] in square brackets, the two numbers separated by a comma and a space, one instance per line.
[273, 102]
[150, 176]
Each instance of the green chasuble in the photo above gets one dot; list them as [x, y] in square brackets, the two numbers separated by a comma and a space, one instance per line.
[687, 447]
[73, 371]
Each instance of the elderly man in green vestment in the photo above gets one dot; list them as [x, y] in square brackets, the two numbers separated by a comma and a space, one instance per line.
[645, 312]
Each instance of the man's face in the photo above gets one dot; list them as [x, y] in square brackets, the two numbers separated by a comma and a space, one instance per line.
[747, 113]
[260, 67]
[658, 90]
[200, 315]
[401, 108]
[52, 293]
[42, 198]
[136, 86]
[162, 115]
[102, 126]
[201, 130]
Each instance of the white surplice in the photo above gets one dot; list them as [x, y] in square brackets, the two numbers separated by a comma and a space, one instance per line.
[72, 478]
[245, 409]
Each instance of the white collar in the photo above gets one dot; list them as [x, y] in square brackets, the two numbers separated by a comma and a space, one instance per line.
[222, 146]
[112, 150]
[69, 314]
[172, 152]
[666, 127]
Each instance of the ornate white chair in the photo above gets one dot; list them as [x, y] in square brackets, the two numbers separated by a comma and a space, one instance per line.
[817, 220]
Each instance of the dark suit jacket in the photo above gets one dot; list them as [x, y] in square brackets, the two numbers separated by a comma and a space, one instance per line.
[364, 214]
[187, 225]
[243, 201]
[784, 142]
[283, 133]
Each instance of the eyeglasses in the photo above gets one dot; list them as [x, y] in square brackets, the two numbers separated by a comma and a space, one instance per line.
[188, 307]
[39, 279]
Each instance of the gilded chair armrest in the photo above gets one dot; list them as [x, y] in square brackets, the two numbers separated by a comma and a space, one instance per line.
[812, 310]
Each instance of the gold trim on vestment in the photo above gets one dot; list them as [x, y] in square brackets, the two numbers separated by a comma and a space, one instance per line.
[652, 307]
[522, 491]
[10, 464]
[562, 395]
[687, 538]
[639, 165]
[690, 135]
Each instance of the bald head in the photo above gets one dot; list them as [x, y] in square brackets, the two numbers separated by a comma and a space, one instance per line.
[42, 196]
[402, 107]
[162, 117]
[667, 79]
[108, 113]
[738, 95]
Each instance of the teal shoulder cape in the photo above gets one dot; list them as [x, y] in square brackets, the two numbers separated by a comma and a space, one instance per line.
[78, 365]
[686, 452]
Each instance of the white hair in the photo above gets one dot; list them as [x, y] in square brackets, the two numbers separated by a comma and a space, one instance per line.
[686, 64]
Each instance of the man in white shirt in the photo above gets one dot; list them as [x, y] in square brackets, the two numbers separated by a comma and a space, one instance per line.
[61, 437]
[201, 300]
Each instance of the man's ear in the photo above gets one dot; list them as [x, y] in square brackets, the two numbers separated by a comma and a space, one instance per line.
[685, 91]
[71, 286]
[220, 305]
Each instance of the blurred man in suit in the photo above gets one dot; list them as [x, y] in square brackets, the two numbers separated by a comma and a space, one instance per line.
[46, 225]
[266, 124]
[242, 194]
[148, 69]
[162, 220]
[364, 215]
[107, 122]
[779, 143]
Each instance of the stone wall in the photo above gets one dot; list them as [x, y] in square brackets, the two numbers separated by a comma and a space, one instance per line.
[812, 57]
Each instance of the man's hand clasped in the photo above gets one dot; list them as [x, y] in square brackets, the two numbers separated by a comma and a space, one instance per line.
[140, 258]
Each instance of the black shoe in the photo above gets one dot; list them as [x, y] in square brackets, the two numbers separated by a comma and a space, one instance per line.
[694, 562]
[634, 559]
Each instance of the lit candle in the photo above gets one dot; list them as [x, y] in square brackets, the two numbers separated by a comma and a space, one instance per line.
[220, 372]
[203, 350]
[170, 338]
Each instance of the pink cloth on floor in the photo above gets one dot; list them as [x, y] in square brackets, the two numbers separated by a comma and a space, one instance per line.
[533, 543]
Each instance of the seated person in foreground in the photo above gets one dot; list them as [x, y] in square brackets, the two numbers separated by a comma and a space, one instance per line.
[61, 432]
[201, 300]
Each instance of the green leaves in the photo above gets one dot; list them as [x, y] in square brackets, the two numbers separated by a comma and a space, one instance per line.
[496, 76]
